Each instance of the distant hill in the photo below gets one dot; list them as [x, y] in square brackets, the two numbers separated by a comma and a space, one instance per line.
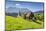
[40, 11]
[16, 10]
[13, 11]
[11, 14]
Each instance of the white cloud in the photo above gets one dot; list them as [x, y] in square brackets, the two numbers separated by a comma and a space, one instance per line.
[17, 4]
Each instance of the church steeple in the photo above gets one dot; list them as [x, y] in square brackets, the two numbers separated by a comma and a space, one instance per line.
[19, 14]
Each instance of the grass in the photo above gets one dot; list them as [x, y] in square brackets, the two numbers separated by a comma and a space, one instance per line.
[13, 23]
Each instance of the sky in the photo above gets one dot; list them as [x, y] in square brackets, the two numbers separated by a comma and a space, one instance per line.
[33, 6]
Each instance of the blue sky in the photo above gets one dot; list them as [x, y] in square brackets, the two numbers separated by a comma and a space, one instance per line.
[34, 6]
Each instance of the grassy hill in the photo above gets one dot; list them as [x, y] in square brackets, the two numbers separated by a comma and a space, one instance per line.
[13, 23]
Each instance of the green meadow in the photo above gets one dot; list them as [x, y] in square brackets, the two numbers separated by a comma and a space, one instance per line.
[18, 23]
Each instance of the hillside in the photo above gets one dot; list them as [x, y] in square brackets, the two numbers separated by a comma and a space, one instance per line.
[13, 23]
